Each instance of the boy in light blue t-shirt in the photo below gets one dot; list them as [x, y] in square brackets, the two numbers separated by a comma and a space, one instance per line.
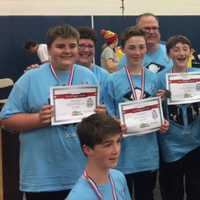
[180, 146]
[100, 137]
[51, 160]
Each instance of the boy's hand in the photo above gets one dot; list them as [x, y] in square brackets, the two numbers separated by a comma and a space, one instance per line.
[164, 94]
[164, 127]
[123, 128]
[100, 109]
[45, 114]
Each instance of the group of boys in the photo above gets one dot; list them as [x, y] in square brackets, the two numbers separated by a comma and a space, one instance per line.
[100, 135]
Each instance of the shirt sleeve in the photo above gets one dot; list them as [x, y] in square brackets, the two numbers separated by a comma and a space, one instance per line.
[17, 100]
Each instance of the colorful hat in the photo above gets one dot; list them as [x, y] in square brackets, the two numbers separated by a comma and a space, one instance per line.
[109, 36]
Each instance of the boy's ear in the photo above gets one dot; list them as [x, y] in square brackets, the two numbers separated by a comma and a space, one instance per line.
[87, 150]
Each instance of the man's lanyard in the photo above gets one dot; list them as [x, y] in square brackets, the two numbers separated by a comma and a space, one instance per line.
[95, 187]
[71, 74]
[132, 84]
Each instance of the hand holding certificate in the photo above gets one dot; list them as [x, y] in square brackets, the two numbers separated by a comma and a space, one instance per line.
[73, 103]
[141, 116]
[184, 87]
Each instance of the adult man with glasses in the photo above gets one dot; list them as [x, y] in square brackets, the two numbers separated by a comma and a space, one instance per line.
[156, 58]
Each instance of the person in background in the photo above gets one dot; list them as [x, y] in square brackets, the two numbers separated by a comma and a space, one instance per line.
[156, 58]
[87, 44]
[100, 137]
[139, 159]
[180, 145]
[109, 59]
[41, 50]
[51, 160]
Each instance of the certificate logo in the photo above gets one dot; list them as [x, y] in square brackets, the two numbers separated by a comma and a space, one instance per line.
[144, 125]
[154, 114]
[198, 86]
[89, 102]
[187, 95]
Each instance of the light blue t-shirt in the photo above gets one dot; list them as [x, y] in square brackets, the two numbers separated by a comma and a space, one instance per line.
[155, 62]
[102, 76]
[50, 158]
[82, 190]
[183, 135]
[138, 153]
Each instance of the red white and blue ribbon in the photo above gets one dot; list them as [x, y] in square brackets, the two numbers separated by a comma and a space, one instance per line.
[132, 84]
[71, 74]
[95, 187]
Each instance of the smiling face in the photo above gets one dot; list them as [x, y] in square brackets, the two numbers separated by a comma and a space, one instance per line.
[180, 55]
[135, 49]
[106, 154]
[63, 52]
[150, 25]
[86, 52]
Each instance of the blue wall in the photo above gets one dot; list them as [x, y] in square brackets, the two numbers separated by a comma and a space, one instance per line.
[15, 30]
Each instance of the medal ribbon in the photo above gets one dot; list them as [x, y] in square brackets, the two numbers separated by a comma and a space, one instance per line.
[71, 74]
[132, 84]
[95, 187]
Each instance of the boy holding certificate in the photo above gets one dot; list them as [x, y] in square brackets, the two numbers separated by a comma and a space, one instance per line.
[139, 158]
[180, 146]
[100, 137]
[51, 160]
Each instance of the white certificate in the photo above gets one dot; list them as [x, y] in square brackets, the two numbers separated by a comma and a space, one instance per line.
[141, 116]
[184, 87]
[73, 103]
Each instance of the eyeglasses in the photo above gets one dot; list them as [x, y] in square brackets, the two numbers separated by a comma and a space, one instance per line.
[153, 28]
[83, 46]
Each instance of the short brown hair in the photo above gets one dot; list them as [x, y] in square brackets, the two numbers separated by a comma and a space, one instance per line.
[172, 41]
[87, 33]
[96, 128]
[29, 44]
[63, 31]
[130, 32]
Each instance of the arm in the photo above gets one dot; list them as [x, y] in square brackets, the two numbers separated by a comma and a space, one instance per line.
[110, 65]
[27, 121]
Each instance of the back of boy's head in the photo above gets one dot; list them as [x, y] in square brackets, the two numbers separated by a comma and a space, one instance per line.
[172, 41]
[96, 128]
[62, 31]
[131, 32]
[29, 44]
[87, 33]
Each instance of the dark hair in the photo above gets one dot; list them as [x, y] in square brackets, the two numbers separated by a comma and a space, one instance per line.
[138, 18]
[63, 31]
[172, 41]
[96, 128]
[29, 44]
[130, 32]
[87, 33]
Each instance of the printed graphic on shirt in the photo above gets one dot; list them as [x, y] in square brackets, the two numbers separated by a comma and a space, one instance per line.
[155, 68]
[129, 96]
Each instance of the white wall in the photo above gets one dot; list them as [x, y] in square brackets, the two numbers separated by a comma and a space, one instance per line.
[98, 7]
